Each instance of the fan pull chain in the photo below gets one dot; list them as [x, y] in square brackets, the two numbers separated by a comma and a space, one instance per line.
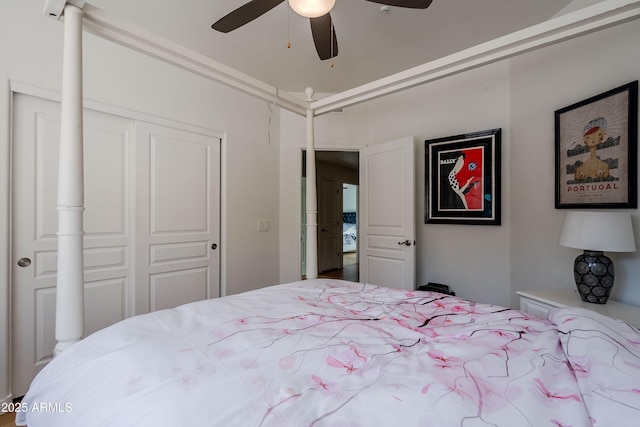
[332, 33]
[288, 27]
[271, 105]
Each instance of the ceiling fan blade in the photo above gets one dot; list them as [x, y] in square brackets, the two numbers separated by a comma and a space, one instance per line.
[324, 36]
[244, 14]
[413, 4]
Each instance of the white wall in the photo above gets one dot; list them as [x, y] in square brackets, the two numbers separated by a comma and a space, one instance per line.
[31, 49]
[520, 95]
[541, 83]
[473, 259]
[447, 107]
[344, 131]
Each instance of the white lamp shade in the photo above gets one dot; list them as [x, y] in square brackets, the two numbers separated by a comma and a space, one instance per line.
[598, 231]
[312, 8]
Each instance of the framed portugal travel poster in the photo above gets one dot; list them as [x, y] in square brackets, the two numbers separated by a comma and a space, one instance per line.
[462, 179]
[596, 151]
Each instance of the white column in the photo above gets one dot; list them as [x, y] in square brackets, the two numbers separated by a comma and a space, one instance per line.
[311, 200]
[70, 285]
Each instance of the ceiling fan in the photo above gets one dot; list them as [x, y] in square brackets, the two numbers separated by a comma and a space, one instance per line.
[322, 30]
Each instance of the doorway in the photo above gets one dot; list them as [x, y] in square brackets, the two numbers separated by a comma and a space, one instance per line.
[337, 175]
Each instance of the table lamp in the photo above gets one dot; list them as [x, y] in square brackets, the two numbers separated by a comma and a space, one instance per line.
[595, 233]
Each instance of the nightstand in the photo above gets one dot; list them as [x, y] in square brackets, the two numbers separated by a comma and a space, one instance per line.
[539, 303]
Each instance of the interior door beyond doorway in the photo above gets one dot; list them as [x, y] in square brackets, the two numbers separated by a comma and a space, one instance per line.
[329, 225]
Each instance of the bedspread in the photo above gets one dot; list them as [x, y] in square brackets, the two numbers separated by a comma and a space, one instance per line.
[317, 353]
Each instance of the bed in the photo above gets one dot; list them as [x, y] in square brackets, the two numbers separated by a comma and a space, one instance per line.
[79, 15]
[334, 353]
[349, 232]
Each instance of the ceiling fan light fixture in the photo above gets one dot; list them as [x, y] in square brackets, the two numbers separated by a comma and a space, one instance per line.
[312, 8]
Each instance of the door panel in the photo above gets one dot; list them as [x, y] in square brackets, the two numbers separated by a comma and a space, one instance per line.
[107, 239]
[388, 271]
[387, 215]
[179, 189]
[175, 288]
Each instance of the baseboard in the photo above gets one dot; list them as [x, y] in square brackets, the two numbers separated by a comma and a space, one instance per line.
[8, 399]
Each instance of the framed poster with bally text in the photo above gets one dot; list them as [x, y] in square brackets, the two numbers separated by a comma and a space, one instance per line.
[462, 179]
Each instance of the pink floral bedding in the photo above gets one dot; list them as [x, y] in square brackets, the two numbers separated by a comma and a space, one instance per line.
[340, 354]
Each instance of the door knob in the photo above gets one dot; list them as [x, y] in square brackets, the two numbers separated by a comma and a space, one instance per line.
[406, 243]
[24, 262]
[214, 246]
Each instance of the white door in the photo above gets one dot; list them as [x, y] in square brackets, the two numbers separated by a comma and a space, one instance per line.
[178, 187]
[387, 223]
[329, 224]
[107, 224]
[151, 222]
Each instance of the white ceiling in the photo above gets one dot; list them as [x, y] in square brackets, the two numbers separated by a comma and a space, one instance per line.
[372, 45]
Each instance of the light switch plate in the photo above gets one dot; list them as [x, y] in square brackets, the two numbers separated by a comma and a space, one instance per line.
[264, 225]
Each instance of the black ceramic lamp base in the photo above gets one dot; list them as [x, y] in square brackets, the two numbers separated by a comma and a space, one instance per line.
[593, 272]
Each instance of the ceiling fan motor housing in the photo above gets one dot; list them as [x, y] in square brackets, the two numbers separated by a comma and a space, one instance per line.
[312, 8]
[322, 29]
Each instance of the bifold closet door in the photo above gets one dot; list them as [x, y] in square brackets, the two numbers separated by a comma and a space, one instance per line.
[178, 187]
[151, 224]
[108, 153]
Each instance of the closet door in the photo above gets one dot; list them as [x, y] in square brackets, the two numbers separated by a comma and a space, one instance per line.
[178, 217]
[108, 153]
[151, 224]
